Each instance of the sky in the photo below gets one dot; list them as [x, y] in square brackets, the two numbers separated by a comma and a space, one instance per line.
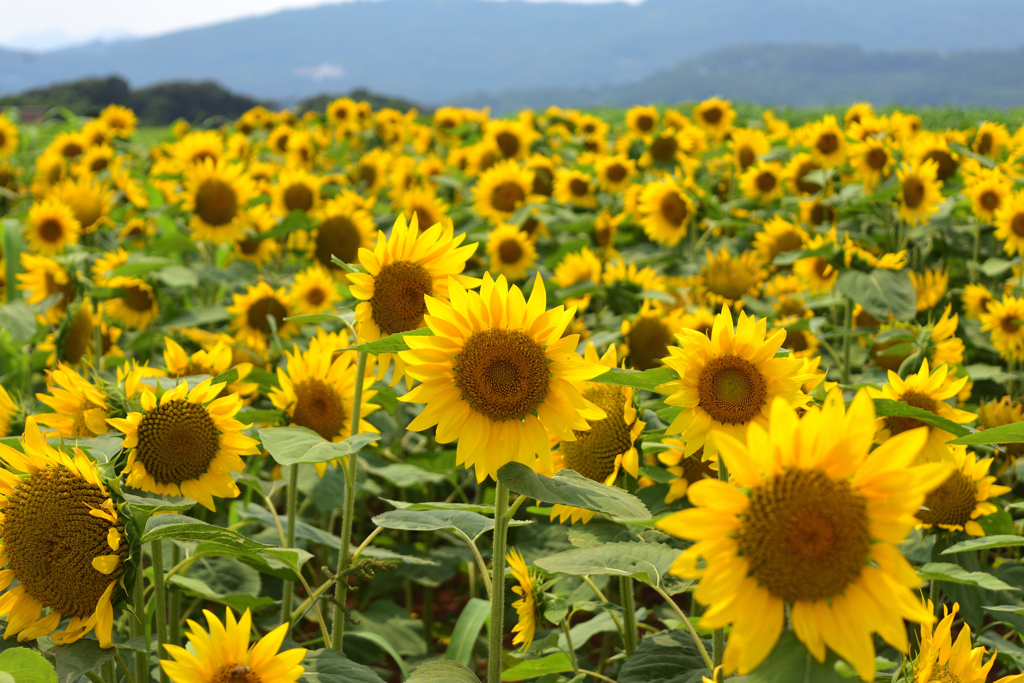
[49, 24]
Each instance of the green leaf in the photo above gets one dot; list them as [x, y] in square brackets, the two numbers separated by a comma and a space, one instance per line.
[72, 661]
[1011, 433]
[468, 507]
[880, 292]
[201, 315]
[348, 315]
[467, 630]
[138, 265]
[647, 562]
[555, 663]
[885, 407]
[225, 580]
[983, 543]
[27, 666]
[666, 657]
[155, 501]
[442, 671]
[177, 276]
[259, 417]
[392, 343]
[403, 475]
[295, 220]
[944, 571]
[180, 528]
[18, 319]
[291, 445]
[331, 666]
[469, 523]
[571, 488]
[790, 662]
[381, 642]
[648, 380]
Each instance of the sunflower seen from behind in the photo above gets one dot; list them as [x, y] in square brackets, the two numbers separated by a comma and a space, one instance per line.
[809, 520]
[63, 541]
[497, 374]
[185, 443]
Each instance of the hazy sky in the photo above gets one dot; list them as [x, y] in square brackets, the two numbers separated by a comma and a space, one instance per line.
[44, 24]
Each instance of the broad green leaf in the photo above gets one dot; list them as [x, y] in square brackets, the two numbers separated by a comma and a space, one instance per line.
[177, 276]
[442, 671]
[555, 663]
[469, 523]
[330, 666]
[467, 630]
[155, 501]
[347, 315]
[880, 292]
[666, 657]
[225, 580]
[468, 507]
[73, 660]
[648, 380]
[259, 417]
[27, 666]
[180, 528]
[291, 445]
[18, 319]
[139, 264]
[1004, 541]
[602, 623]
[295, 220]
[1011, 433]
[885, 407]
[571, 488]
[381, 642]
[392, 343]
[944, 571]
[401, 474]
[790, 662]
[201, 315]
[647, 562]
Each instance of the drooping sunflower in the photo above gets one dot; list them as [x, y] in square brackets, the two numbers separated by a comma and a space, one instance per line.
[343, 229]
[253, 247]
[216, 194]
[728, 382]
[8, 137]
[138, 307]
[502, 189]
[297, 190]
[63, 540]
[497, 374]
[251, 311]
[976, 300]
[778, 237]
[575, 188]
[763, 181]
[510, 252]
[609, 446]
[920, 191]
[727, 278]
[80, 407]
[526, 606]
[577, 268]
[647, 336]
[223, 655]
[51, 227]
[963, 497]
[88, 198]
[318, 391]
[944, 661]
[930, 287]
[928, 391]
[44, 277]
[665, 212]
[1009, 222]
[811, 520]
[314, 291]
[186, 443]
[715, 116]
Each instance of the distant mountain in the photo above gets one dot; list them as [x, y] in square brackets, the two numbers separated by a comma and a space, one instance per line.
[801, 75]
[432, 51]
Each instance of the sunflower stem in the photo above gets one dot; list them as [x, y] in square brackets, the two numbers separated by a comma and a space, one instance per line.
[976, 251]
[156, 552]
[495, 637]
[570, 650]
[174, 609]
[846, 341]
[293, 503]
[629, 637]
[137, 627]
[708, 662]
[341, 590]
[718, 635]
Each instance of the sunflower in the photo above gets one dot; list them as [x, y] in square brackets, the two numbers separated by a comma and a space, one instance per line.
[988, 195]
[138, 307]
[576, 268]
[748, 145]
[575, 188]
[510, 252]
[1009, 221]
[797, 171]
[121, 120]
[815, 212]
[976, 300]
[223, 655]
[728, 278]
[8, 410]
[727, 383]
[216, 194]
[715, 116]
[8, 137]
[44, 277]
[688, 469]
[606, 227]
[343, 229]
[930, 287]
[314, 291]
[963, 497]
[51, 227]
[608, 446]
[872, 161]
[501, 190]
[342, 112]
[763, 181]
[68, 144]
[318, 392]
[665, 212]
[998, 413]
[1004, 320]
[527, 605]
[254, 248]
[642, 120]
[252, 311]
[649, 334]
[296, 190]
[818, 275]
[941, 660]
[186, 443]
[80, 408]
[827, 141]
[625, 284]
[920, 191]
[137, 232]
[511, 138]
[614, 173]
[991, 139]
[810, 520]
[778, 237]
[428, 207]
[63, 540]
[93, 160]
[670, 147]
[858, 113]
[927, 391]
[89, 199]
[497, 374]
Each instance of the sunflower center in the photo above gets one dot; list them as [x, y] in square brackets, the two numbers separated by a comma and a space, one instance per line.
[644, 122]
[951, 503]
[804, 185]
[913, 192]
[503, 374]
[177, 442]
[943, 675]
[947, 164]
[796, 341]
[257, 314]
[730, 279]
[828, 143]
[368, 174]
[51, 230]
[510, 251]
[594, 451]
[318, 407]
[787, 241]
[805, 535]
[397, 303]
[1008, 323]
[579, 187]
[138, 299]
[530, 226]
[216, 202]
[746, 157]
[877, 158]
[508, 143]
[821, 213]
[673, 209]
[731, 390]
[71, 150]
[315, 296]
[51, 539]
[898, 425]
[648, 342]
[1017, 225]
[298, 197]
[616, 173]
[664, 148]
[506, 196]
[235, 673]
[249, 246]
[985, 144]
[79, 336]
[766, 181]
[712, 115]
[543, 181]
[337, 236]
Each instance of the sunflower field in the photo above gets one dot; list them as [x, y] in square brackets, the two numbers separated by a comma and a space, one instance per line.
[375, 397]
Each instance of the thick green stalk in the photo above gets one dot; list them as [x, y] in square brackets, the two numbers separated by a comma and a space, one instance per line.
[497, 632]
[846, 341]
[174, 608]
[629, 639]
[293, 504]
[341, 590]
[137, 627]
[156, 551]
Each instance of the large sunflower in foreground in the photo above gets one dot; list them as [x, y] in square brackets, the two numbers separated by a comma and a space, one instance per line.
[223, 655]
[497, 374]
[927, 391]
[728, 382]
[318, 392]
[963, 497]
[216, 194]
[51, 226]
[810, 520]
[186, 443]
[80, 408]
[62, 540]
